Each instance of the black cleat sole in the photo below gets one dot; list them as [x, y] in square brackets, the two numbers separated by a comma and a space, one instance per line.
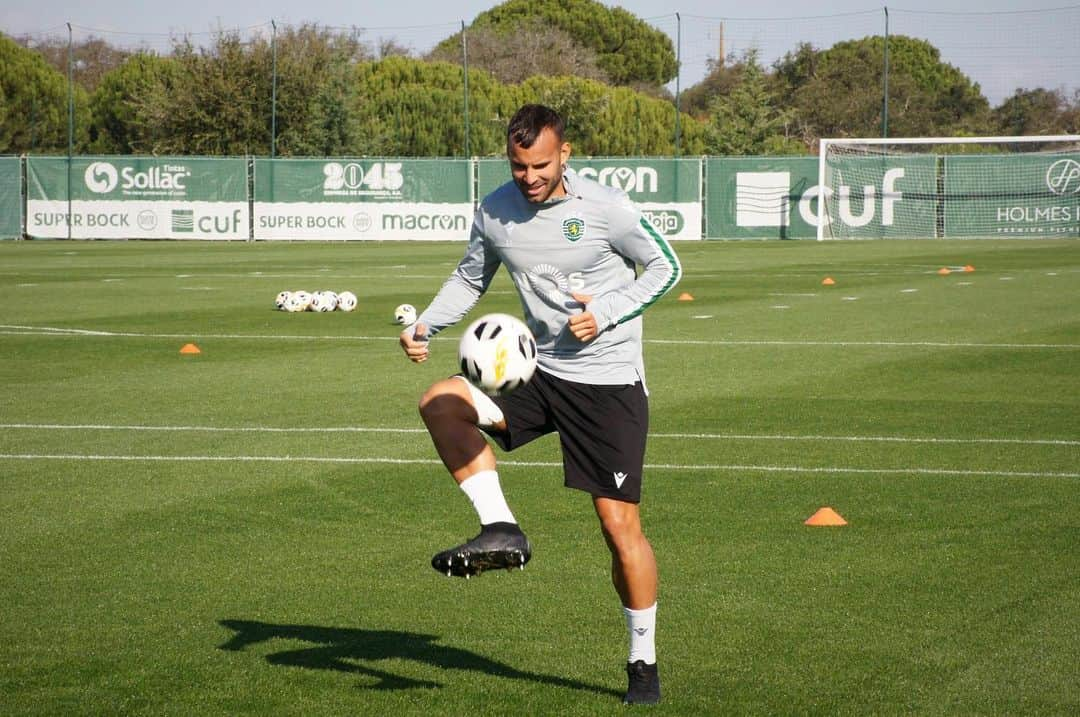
[465, 565]
[499, 546]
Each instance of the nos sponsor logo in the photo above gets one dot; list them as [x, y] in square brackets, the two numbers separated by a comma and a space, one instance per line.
[424, 222]
[643, 180]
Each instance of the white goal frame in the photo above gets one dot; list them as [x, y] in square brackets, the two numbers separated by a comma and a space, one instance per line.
[824, 144]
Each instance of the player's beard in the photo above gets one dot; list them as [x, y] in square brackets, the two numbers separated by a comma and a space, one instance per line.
[540, 193]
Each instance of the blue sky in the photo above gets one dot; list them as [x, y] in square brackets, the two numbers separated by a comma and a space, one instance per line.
[1002, 48]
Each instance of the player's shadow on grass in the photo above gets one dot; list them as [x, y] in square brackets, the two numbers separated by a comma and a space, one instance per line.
[344, 649]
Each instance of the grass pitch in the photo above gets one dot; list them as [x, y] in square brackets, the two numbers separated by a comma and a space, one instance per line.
[247, 531]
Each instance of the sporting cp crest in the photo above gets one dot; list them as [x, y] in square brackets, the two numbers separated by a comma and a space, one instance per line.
[573, 228]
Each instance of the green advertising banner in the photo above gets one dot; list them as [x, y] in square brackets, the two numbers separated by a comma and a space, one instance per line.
[359, 199]
[668, 191]
[761, 198]
[137, 198]
[1028, 195]
[10, 198]
[490, 175]
[891, 196]
[777, 198]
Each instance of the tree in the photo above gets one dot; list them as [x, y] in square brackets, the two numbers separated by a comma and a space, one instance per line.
[534, 48]
[614, 121]
[216, 103]
[34, 113]
[746, 120]
[416, 108]
[118, 126]
[220, 99]
[92, 58]
[627, 49]
[722, 76]
[317, 92]
[838, 92]
[1037, 111]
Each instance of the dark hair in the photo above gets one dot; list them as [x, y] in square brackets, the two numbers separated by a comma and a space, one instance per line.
[529, 121]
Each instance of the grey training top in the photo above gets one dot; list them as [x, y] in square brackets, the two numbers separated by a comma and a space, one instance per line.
[590, 242]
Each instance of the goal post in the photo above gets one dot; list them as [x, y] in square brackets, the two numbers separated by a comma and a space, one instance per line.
[949, 187]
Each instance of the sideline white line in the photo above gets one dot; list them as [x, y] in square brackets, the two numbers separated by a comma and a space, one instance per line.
[873, 344]
[869, 439]
[210, 429]
[51, 331]
[533, 464]
[690, 436]
[13, 330]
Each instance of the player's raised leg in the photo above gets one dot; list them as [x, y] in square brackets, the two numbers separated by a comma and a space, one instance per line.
[634, 574]
[452, 410]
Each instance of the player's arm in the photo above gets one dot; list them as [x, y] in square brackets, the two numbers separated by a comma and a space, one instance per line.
[459, 293]
[636, 239]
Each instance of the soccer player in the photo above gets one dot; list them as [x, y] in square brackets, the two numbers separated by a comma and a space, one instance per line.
[572, 248]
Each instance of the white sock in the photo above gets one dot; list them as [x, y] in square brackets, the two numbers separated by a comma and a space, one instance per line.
[486, 495]
[641, 624]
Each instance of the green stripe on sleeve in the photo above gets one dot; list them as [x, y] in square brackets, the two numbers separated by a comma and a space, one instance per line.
[673, 262]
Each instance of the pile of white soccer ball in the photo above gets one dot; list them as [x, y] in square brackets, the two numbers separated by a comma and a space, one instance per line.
[321, 301]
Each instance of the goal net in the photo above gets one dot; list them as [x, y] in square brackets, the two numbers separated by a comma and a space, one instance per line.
[949, 187]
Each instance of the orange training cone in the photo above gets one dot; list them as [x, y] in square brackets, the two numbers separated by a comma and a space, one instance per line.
[828, 281]
[969, 268]
[944, 271]
[190, 349]
[685, 296]
[825, 517]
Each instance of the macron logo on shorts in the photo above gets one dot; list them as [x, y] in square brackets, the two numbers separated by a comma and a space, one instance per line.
[619, 478]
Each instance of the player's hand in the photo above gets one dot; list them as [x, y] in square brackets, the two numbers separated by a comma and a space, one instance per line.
[583, 325]
[414, 342]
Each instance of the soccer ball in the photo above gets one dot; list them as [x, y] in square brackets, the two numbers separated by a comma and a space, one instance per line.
[295, 303]
[303, 298]
[323, 301]
[346, 301]
[405, 314]
[497, 354]
[282, 297]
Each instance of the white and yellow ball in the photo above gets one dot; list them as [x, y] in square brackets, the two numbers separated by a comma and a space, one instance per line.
[497, 354]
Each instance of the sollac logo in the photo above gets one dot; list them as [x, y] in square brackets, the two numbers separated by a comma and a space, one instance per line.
[101, 177]
[162, 181]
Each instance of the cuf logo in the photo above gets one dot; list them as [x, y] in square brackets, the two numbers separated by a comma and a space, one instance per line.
[101, 177]
[573, 228]
[1063, 177]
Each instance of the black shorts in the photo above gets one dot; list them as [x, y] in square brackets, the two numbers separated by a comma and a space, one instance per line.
[602, 431]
